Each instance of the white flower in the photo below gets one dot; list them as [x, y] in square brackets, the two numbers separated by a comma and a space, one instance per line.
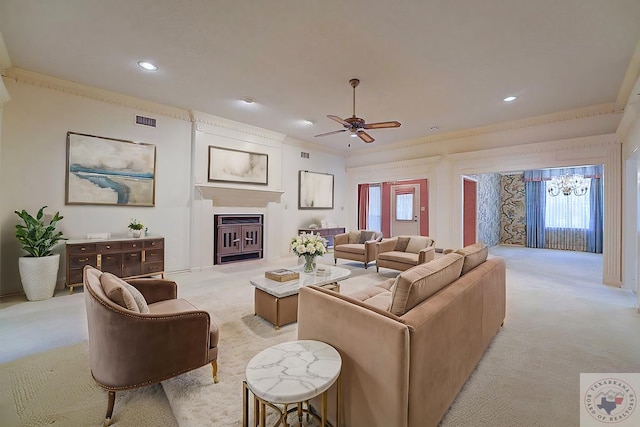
[308, 244]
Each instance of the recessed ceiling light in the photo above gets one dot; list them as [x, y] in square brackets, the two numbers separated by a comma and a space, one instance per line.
[308, 122]
[510, 98]
[147, 66]
[248, 100]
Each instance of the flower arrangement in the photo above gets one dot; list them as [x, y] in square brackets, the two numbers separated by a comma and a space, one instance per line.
[308, 245]
[135, 225]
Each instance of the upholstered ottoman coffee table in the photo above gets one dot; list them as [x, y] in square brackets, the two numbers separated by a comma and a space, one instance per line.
[277, 302]
[291, 373]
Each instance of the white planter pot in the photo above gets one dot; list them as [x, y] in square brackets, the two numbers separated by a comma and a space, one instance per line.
[39, 275]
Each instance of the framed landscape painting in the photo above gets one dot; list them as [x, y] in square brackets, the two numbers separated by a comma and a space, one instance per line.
[108, 171]
[244, 167]
[315, 190]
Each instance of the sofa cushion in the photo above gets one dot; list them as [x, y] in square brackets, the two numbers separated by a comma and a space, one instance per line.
[416, 243]
[139, 298]
[366, 236]
[418, 283]
[354, 237]
[474, 255]
[352, 248]
[116, 290]
[375, 296]
[403, 257]
[401, 243]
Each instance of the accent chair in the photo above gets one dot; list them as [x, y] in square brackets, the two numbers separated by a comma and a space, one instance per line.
[356, 245]
[140, 333]
[404, 252]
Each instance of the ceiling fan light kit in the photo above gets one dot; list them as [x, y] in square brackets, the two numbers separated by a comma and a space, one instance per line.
[357, 125]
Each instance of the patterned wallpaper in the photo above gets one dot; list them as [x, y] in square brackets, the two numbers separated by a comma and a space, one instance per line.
[488, 208]
[513, 229]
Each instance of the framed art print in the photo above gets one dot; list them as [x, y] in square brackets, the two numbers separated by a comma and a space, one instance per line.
[109, 171]
[315, 190]
[244, 167]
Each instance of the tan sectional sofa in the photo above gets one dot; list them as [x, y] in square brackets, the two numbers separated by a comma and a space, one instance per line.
[404, 252]
[409, 344]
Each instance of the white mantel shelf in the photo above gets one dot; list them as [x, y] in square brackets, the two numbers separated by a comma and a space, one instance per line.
[238, 197]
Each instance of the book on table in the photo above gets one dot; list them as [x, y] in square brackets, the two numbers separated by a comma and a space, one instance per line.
[281, 275]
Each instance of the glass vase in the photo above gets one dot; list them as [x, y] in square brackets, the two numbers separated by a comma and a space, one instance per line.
[309, 263]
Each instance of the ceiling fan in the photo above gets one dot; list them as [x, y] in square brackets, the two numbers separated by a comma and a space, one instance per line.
[357, 125]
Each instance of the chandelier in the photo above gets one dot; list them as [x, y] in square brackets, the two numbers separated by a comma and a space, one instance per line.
[567, 184]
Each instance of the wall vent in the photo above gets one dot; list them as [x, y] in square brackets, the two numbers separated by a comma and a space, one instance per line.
[145, 121]
[304, 155]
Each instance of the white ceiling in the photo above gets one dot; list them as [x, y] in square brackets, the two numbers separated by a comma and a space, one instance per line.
[444, 63]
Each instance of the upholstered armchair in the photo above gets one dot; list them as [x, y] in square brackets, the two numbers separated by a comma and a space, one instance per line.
[404, 252]
[356, 245]
[140, 333]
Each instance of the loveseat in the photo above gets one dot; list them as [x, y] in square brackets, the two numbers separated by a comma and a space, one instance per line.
[409, 344]
[404, 252]
[356, 245]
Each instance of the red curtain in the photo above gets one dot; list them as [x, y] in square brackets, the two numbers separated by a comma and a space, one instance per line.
[363, 205]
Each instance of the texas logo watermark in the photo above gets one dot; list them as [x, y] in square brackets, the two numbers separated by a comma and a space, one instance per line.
[607, 399]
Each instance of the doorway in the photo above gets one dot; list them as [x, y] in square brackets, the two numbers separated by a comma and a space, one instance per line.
[469, 211]
[405, 210]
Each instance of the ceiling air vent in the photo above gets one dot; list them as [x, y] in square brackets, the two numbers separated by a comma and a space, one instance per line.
[304, 155]
[145, 121]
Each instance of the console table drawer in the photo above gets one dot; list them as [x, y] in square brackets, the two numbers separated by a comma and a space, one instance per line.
[81, 249]
[108, 247]
[132, 245]
[154, 244]
[154, 255]
[75, 276]
[153, 267]
[79, 261]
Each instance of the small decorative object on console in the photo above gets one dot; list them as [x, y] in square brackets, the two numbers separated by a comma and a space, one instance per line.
[281, 275]
[136, 227]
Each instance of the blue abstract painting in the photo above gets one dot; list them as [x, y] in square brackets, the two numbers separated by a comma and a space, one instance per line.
[107, 171]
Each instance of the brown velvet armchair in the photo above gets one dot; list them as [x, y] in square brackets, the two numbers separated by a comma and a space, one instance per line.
[128, 349]
[356, 245]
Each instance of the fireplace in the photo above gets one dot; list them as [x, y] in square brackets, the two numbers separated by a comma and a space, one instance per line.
[237, 237]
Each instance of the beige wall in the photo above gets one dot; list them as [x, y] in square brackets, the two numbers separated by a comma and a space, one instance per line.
[33, 131]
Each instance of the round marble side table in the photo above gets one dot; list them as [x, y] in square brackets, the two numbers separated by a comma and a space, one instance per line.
[291, 373]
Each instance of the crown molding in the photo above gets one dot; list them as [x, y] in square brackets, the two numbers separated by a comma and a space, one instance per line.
[581, 144]
[416, 164]
[220, 122]
[546, 119]
[22, 76]
[631, 112]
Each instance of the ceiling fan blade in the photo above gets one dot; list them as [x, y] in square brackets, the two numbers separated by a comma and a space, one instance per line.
[339, 120]
[331, 133]
[382, 125]
[365, 136]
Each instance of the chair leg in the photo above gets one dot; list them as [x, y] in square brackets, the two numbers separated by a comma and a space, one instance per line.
[335, 261]
[214, 368]
[112, 401]
[366, 264]
[377, 269]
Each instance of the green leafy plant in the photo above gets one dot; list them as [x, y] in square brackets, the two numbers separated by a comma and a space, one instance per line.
[37, 238]
[135, 225]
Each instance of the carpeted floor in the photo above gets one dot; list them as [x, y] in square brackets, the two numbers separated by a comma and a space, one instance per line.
[559, 323]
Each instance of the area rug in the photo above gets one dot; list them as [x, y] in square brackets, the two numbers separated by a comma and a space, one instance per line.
[198, 402]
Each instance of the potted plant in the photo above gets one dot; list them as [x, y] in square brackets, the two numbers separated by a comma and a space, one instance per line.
[136, 228]
[38, 269]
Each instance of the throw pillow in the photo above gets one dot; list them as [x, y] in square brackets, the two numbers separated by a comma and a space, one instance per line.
[365, 236]
[139, 298]
[116, 291]
[474, 255]
[401, 243]
[354, 237]
[420, 282]
[416, 243]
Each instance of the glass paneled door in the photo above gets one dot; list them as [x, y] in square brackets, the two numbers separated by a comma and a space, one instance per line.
[405, 210]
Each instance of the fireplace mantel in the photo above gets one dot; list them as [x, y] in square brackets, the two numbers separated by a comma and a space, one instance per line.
[238, 197]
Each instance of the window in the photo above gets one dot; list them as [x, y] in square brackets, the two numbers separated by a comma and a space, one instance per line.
[374, 210]
[567, 211]
[404, 207]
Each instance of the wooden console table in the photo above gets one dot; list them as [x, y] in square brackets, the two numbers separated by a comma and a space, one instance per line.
[327, 233]
[125, 258]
